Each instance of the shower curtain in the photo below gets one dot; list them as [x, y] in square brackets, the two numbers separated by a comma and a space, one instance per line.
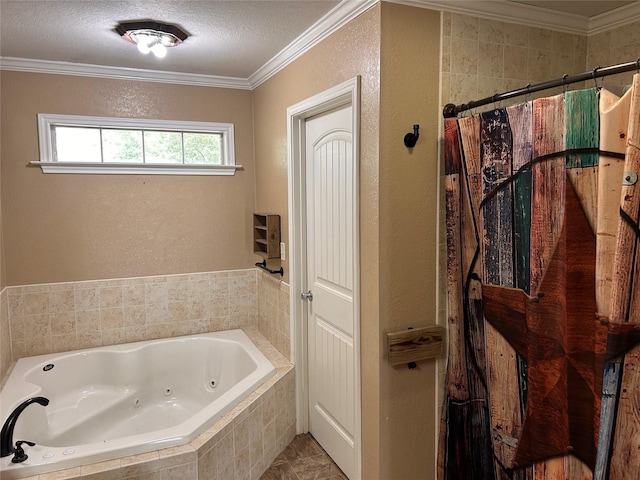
[543, 290]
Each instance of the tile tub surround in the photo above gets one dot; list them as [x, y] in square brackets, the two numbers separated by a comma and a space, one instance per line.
[240, 446]
[5, 337]
[273, 311]
[57, 317]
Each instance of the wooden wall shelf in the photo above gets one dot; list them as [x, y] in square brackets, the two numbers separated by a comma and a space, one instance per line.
[266, 235]
[416, 344]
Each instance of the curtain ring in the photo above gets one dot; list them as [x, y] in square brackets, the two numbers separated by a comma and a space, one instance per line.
[638, 65]
[593, 75]
[564, 84]
[527, 94]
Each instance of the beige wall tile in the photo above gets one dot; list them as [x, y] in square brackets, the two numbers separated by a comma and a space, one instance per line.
[146, 476]
[489, 86]
[463, 88]
[563, 42]
[446, 54]
[491, 31]
[156, 313]
[599, 43]
[69, 473]
[88, 321]
[178, 312]
[188, 471]
[36, 303]
[18, 349]
[96, 313]
[109, 470]
[540, 38]
[626, 53]
[5, 336]
[134, 315]
[156, 292]
[113, 336]
[207, 467]
[15, 304]
[625, 35]
[600, 58]
[133, 294]
[61, 301]
[16, 327]
[87, 299]
[89, 340]
[446, 24]
[464, 26]
[177, 291]
[135, 334]
[110, 297]
[492, 60]
[515, 62]
[140, 464]
[446, 89]
[515, 35]
[37, 326]
[539, 66]
[219, 307]
[561, 64]
[63, 323]
[175, 456]
[111, 318]
[464, 56]
[242, 464]
[219, 323]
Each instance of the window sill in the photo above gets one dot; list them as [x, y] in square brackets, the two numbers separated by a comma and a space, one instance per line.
[135, 168]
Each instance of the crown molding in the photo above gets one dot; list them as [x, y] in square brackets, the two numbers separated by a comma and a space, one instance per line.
[340, 15]
[505, 11]
[120, 73]
[614, 19]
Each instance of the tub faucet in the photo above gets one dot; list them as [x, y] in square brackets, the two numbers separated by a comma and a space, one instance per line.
[6, 436]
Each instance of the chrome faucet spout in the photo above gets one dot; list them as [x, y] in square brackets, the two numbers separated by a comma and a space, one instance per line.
[6, 436]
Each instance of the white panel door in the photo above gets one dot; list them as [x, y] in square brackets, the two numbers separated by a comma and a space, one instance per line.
[330, 278]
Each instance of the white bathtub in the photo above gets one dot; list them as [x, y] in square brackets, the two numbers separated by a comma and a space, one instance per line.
[121, 400]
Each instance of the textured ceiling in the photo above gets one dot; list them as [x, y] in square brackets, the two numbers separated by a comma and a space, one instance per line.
[233, 38]
[227, 38]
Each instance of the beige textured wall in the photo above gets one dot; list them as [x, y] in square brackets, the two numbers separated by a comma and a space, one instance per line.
[61, 228]
[398, 214]
[2, 267]
[409, 94]
[351, 51]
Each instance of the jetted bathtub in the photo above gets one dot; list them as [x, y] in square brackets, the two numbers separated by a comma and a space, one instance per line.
[115, 401]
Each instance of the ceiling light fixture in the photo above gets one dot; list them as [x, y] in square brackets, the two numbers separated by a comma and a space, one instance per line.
[149, 36]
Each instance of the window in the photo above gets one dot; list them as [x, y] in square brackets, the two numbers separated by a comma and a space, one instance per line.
[79, 144]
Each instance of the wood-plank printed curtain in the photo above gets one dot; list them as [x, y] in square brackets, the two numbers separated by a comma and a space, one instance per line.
[543, 287]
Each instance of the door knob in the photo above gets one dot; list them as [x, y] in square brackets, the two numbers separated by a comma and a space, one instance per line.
[308, 295]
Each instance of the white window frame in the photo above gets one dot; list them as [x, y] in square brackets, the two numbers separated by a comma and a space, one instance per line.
[49, 164]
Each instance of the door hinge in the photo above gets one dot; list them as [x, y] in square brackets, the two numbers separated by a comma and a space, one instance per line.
[308, 295]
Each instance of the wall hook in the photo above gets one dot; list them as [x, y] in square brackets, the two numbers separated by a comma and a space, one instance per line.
[410, 139]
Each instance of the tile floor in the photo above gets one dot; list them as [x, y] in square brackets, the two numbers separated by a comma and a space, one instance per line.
[303, 459]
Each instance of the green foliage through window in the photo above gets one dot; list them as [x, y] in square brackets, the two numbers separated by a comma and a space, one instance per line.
[118, 145]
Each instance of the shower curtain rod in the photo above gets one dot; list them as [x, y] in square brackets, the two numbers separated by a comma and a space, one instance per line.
[450, 110]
